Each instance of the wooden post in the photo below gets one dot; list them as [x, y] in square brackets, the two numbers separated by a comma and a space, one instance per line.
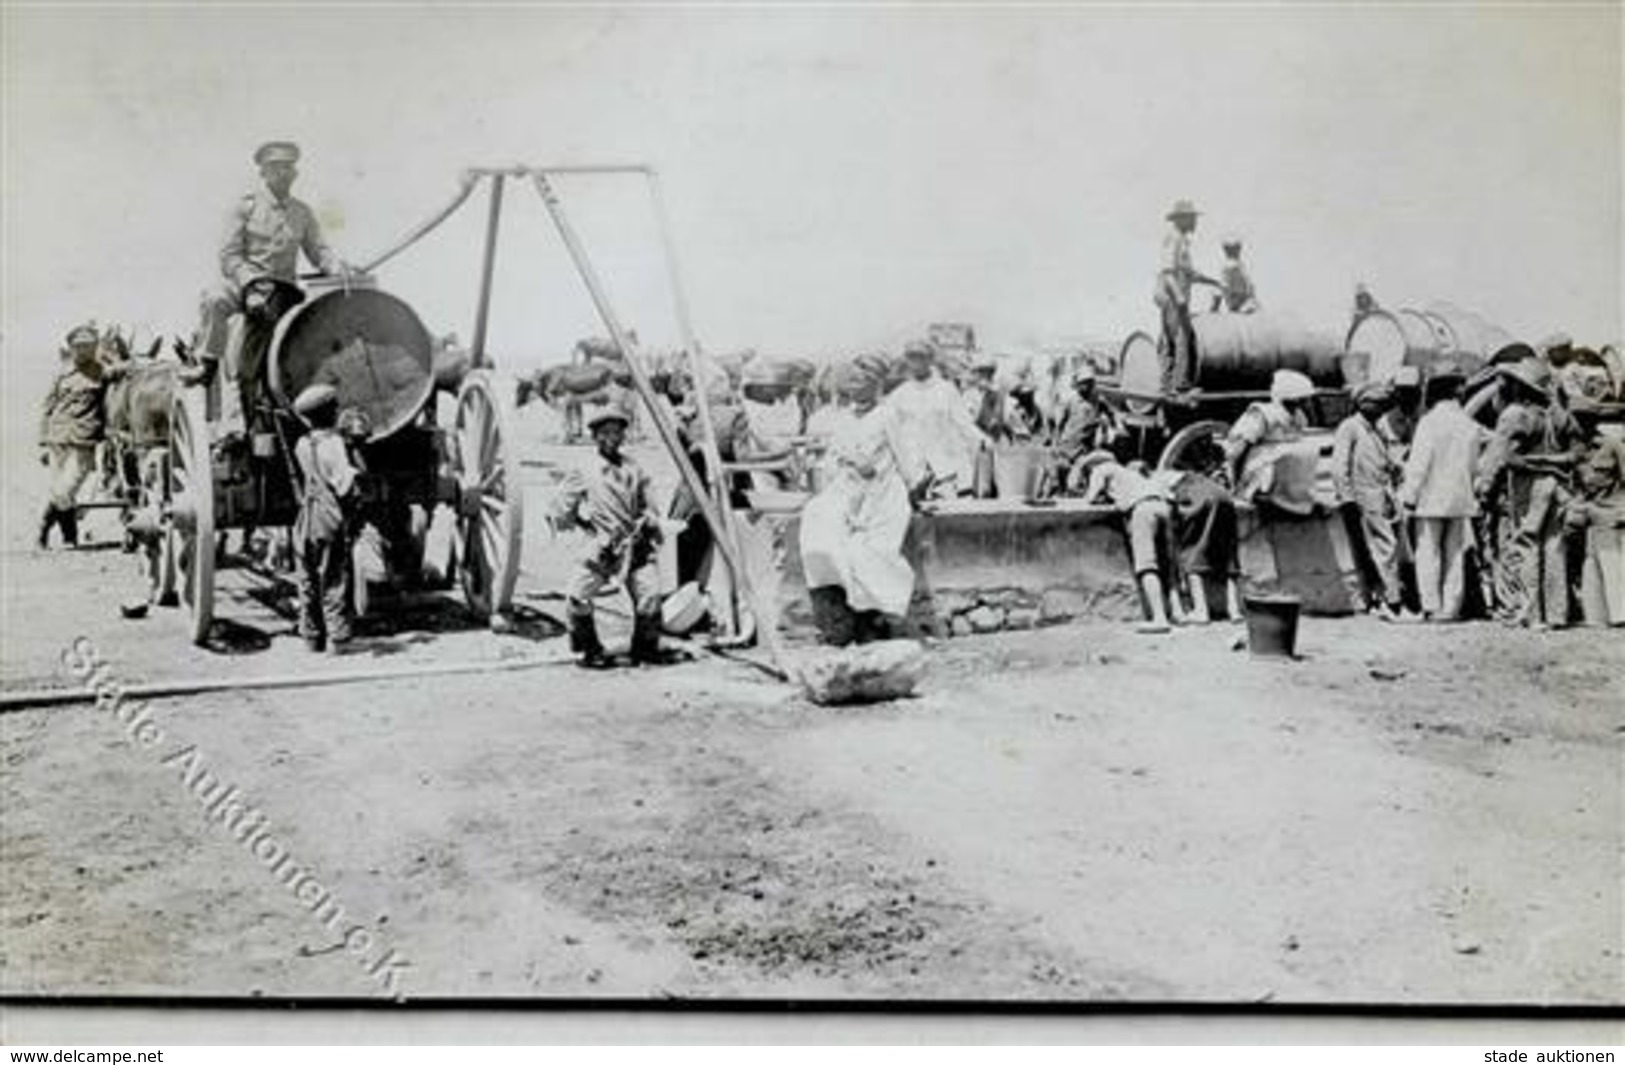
[482, 312]
[702, 402]
[662, 420]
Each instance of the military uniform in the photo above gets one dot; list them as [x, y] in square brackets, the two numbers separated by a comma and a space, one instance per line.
[72, 423]
[612, 501]
[263, 237]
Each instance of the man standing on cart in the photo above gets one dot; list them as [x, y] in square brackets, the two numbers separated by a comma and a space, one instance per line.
[1177, 351]
[259, 258]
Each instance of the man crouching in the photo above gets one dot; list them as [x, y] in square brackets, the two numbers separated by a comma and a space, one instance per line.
[610, 499]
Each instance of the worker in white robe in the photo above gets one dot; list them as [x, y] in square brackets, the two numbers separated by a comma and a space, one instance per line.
[852, 531]
[934, 428]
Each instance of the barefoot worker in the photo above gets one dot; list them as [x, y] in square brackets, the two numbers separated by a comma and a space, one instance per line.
[852, 531]
[1145, 505]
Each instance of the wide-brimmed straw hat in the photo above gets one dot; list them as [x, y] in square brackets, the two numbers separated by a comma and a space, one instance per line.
[1532, 374]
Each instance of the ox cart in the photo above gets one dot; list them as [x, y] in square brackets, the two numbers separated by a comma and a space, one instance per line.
[1236, 355]
[374, 350]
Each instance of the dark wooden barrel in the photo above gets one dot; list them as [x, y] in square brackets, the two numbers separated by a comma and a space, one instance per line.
[366, 343]
[1241, 352]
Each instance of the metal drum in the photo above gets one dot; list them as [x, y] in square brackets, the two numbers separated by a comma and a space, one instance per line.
[1241, 352]
[368, 345]
[1140, 372]
[1393, 339]
[1473, 339]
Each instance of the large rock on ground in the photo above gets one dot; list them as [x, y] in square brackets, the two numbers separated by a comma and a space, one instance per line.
[869, 673]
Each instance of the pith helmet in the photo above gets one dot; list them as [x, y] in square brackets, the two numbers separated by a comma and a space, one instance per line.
[613, 411]
[1532, 374]
[1515, 352]
[276, 152]
[1182, 209]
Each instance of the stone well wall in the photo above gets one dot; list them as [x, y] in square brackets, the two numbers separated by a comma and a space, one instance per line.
[987, 565]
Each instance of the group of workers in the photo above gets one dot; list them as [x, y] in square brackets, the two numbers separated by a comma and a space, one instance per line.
[1492, 475]
[1419, 478]
[891, 451]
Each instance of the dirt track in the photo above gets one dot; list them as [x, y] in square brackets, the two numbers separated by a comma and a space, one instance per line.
[1406, 815]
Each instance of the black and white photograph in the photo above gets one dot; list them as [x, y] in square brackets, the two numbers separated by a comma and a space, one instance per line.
[895, 505]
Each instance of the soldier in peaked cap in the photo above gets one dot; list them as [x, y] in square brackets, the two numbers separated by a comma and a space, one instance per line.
[1177, 350]
[265, 232]
[72, 423]
[610, 498]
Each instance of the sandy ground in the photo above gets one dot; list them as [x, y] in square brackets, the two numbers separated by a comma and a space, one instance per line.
[1404, 815]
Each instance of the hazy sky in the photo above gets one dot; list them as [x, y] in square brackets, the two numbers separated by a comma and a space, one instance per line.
[837, 176]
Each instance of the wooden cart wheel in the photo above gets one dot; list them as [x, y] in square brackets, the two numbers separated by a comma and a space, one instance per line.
[190, 533]
[1187, 445]
[490, 510]
[154, 491]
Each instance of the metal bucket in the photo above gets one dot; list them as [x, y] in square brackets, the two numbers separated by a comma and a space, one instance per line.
[1016, 470]
[1272, 625]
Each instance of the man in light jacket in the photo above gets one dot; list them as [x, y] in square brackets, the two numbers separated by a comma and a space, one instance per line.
[1438, 490]
[1362, 476]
